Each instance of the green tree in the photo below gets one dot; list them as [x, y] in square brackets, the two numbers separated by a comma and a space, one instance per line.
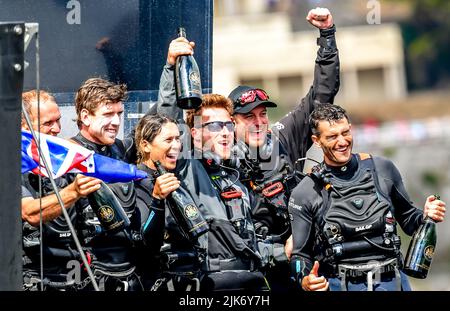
[427, 44]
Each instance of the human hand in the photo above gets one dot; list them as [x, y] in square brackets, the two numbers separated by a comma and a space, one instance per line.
[288, 246]
[84, 185]
[313, 282]
[164, 185]
[179, 46]
[320, 18]
[434, 208]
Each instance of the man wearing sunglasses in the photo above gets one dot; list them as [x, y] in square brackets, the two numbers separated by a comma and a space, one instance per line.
[268, 168]
[270, 156]
[226, 258]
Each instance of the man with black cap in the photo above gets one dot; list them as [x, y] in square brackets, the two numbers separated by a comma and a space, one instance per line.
[270, 164]
[268, 157]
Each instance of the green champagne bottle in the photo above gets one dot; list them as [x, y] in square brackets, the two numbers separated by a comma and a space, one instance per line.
[187, 80]
[421, 250]
[108, 209]
[185, 211]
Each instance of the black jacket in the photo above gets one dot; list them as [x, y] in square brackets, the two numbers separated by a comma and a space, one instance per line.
[289, 139]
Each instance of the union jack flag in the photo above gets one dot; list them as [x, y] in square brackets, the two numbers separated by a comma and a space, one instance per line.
[64, 157]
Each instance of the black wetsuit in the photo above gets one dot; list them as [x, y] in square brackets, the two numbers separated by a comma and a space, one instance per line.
[289, 140]
[307, 211]
[58, 245]
[113, 254]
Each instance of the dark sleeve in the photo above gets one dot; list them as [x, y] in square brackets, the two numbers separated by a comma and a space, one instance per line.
[166, 105]
[152, 213]
[26, 193]
[301, 210]
[407, 215]
[167, 102]
[130, 148]
[293, 129]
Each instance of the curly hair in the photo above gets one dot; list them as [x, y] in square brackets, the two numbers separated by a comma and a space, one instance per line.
[95, 91]
[326, 112]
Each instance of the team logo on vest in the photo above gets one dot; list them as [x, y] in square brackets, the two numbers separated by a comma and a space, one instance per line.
[358, 203]
[125, 188]
[106, 213]
[363, 228]
[194, 77]
[191, 211]
[429, 252]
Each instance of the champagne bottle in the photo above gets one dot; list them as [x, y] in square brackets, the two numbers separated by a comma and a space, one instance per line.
[108, 209]
[187, 80]
[185, 211]
[421, 250]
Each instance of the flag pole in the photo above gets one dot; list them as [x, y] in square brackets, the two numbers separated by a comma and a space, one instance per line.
[58, 196]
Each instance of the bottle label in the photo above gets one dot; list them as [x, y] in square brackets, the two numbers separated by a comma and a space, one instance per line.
[106, 213]
[191, 211]
[194, 77]
[429, 252]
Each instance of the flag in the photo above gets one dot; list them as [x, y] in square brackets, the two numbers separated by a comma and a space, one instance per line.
[64, 157]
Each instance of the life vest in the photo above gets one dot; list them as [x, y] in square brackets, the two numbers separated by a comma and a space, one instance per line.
[356, 223]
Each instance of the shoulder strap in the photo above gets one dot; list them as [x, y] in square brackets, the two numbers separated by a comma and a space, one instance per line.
[368, 161]
[118, 147]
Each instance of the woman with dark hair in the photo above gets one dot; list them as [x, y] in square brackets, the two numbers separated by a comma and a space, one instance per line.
[157, 139]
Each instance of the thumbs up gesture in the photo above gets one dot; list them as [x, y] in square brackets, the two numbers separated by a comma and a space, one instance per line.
[313, 282]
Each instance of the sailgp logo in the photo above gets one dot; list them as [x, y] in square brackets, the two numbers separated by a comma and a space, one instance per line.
[363, 228]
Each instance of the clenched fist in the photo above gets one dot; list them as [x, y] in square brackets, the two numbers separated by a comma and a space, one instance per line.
[320, 18]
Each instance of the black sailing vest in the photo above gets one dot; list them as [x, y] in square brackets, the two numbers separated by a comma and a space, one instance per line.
[109, 248]
[357, 220]
[58, 245]
[268, 173]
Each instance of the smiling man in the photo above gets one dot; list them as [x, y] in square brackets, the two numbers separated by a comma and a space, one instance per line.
[99, 107]
[344, 215]
[268, 157]
[226, 258]
[39, 201]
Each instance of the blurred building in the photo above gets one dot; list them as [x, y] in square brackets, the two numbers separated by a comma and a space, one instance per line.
[256, 43]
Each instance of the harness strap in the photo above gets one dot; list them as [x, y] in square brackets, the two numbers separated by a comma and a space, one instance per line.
[370, 269]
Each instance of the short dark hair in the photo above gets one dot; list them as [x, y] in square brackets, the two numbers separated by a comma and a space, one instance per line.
[326, 112]
[147, 129]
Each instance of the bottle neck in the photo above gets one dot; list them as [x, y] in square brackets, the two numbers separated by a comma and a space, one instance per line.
[428, 219]
[182, 32]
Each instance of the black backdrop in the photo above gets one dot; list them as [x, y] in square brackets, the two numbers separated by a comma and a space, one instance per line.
[11, 80]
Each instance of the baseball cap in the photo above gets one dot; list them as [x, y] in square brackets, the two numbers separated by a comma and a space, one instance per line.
[246, 98]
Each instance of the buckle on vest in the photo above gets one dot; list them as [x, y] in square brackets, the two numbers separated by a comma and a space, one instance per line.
[273, 189]
[231, 194]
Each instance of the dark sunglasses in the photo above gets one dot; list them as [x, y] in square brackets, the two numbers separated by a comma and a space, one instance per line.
[217, 126]
[250, 96]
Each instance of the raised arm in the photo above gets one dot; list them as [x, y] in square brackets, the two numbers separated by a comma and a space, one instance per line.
[293, 129]
[166, 97]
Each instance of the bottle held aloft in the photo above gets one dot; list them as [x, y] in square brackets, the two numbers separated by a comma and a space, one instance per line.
[108, 209]
[185, 211]
[421, 250]
[187, 80]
